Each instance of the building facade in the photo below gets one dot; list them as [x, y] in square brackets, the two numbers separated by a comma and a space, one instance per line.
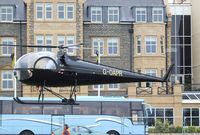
[195, 42]
[181, 41]
[145, 36]
[12, 32]
[106, 24]
[53, 22]
[132, 32]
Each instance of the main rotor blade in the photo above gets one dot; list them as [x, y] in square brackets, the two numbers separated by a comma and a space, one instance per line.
[43, 46]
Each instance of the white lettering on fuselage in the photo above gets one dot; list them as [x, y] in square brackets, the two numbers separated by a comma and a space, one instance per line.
[112, 72]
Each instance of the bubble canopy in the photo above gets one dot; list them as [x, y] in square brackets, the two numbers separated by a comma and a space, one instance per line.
[40, 60]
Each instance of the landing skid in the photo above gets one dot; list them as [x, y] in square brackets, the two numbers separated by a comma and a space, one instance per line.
[64, 101]
[18, 100]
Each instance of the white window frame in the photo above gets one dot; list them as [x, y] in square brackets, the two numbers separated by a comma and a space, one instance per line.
[6, 13]
[69, 5]
[164, 115]
[139, 44]
[40, 37]
[151, 39]
[101, 40]
[59, 11]
[95, 87]
[48, 5]
[151, 72]
[42, 11]
[157, 14]
[7, 39]
[73, 39]
[113, 86]
[113, 14]
[48, 38]
[7, 79]
[96, 9]
[141, 14]
[112, 40]
[61, 38]
[162, 45]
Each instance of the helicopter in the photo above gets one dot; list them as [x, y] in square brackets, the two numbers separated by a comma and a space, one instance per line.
[48, 69]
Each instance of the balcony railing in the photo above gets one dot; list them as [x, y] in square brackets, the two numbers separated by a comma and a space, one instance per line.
[165, 90]
[144, 91]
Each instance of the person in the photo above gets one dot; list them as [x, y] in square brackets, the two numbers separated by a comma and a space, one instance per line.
[66, 130]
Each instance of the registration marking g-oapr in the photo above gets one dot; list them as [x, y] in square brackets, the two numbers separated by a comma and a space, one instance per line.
[112, 72]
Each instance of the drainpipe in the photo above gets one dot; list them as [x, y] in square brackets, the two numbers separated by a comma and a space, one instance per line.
[131, 46]
[166, 52]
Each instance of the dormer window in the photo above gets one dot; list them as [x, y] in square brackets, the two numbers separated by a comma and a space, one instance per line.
[6, 14]
[113, 14]
[96, 14]
[157, 14]
[141, 15]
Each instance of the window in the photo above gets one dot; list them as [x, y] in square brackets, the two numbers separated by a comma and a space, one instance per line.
[87, 108]
[7, 107]
[61, 40]
[138, 44]
[162, 48]
[6, 14]
[70, 11]
[48, 11]
[44, 40]
[39, 11]
[96, 14]
[39, 41]
[71, 41]
[157, 15]
[161, 75]
[151, 72]
[95, 43]
[48, 42]
[95, 87]
[140, 14]
[113, 86]
[191, 117]
[162, 114]
[7, 80]
[113, 14]
[151, 43]
[61, 11]
[112, 46]
[116, 108]
[7, 50]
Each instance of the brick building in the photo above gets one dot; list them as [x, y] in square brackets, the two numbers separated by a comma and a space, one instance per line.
[12, 31]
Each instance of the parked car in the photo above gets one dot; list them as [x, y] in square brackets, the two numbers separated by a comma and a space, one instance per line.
[81, 130]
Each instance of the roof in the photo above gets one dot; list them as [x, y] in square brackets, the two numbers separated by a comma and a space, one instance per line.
[128, 3]
[84, 98]
[126, 7]
[19, 6]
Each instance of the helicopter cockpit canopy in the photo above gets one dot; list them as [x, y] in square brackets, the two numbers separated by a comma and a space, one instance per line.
[38, 60]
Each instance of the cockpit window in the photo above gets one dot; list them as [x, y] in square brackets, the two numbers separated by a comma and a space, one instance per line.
[35, 59]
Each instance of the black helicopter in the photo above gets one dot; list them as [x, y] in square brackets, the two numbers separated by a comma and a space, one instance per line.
[47, 69]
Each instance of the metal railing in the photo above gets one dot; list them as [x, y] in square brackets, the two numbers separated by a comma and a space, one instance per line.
[144, 91]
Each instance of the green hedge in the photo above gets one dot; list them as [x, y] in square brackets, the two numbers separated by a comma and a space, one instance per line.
[167, 128]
